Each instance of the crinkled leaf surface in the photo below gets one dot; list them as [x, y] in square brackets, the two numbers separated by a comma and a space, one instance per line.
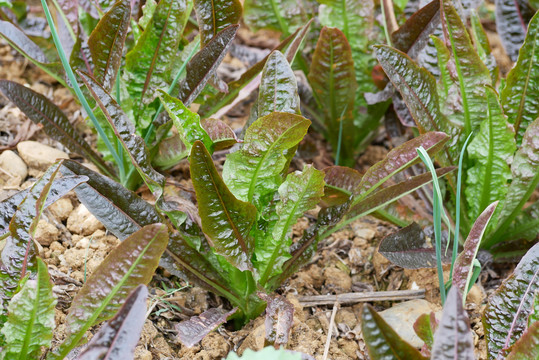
[279, 319]
[186, 122]
[107, 40]
[300, 192]
[472, 74]
[121, 211]
[408, 248]
[462, 270]
[525, 178]
[253, 173]
[482, 46]
[120, 335]
[382, 341]
[527, 347]
[124, 129]
[191, 331]
[520, 96]
[279, 15]
[55, 123]
[414, 33]
[225, 219]
[512, 18]
[30, 320]
[332, 77]
[278, 87]
[147, 65]
[489, 155]
[418, 89]
[130, 264]
[204, 64]
[215, 15]
[341, 182]
[220, 133]
[453, 339]
[505, 317]
[288, 46]
[425, 327]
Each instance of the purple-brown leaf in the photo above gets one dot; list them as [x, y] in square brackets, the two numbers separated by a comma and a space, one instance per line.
[279, 319]
[191, 331]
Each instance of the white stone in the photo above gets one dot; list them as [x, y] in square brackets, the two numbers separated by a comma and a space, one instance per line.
[46, 233]
[61, 209]
[82, 222]
[12, 169]
[38, 156]
[401, 317]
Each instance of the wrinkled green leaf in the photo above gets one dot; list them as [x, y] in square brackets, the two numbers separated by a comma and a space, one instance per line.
[527, 347]
[453, 339]
[489, 154]
[505, 317]
[482, 46]
[332, 77]
[215, 15]
[525, 178]
[130, 264]
[278, 87]
[382, 341]
[186, 122]
[418, 89]
[534, 314]
[121, 211]
[225, 219]
[463, 267]
[106, 43]
[119, 337]
[520, 96]
[253, 173]
[124, 129]
[512, 18]
[288, 46]
[30, 320]
[300, 192]
[147, 65]
[472, 74]
[147, 13]
[279, 15]
[341, 182]
[204, 64]
[55, 123]
[425, 327]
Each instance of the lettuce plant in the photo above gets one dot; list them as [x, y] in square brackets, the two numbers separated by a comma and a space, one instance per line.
[27, 313]
[463, 102]
[510, 320]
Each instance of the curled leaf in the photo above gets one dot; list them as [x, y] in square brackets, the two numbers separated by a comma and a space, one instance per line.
[191, 331]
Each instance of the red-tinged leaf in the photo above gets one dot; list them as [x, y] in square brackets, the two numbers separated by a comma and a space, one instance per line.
[340, 184]
[332, 77]
[462, 271]
[55, 123]
[251, 77]
[71, 11]
[18, 255]
[278, 15]
[409, 248]
[512, 18]
[30, 50]
[521, 91]
[191, 331]
[130, 264]
[170, 152]
[473, 75]
[453, 339]
[278, 87]
[215, 15]
[418, 89]
[106, 43]
[506, 315]
[124, 129]
[382, 341]
[399, 159]
[414, 34]
[120, 335]
[225, 219]
[121, 211]
[220, 133]
[527, 347]
[279, 319]
[204, 64]
[425, 326]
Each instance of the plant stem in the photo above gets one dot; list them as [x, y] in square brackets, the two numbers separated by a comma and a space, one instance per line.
[78, 92]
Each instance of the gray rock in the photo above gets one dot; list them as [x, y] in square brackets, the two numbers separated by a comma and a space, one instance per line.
[401, 317]
[12, 169]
